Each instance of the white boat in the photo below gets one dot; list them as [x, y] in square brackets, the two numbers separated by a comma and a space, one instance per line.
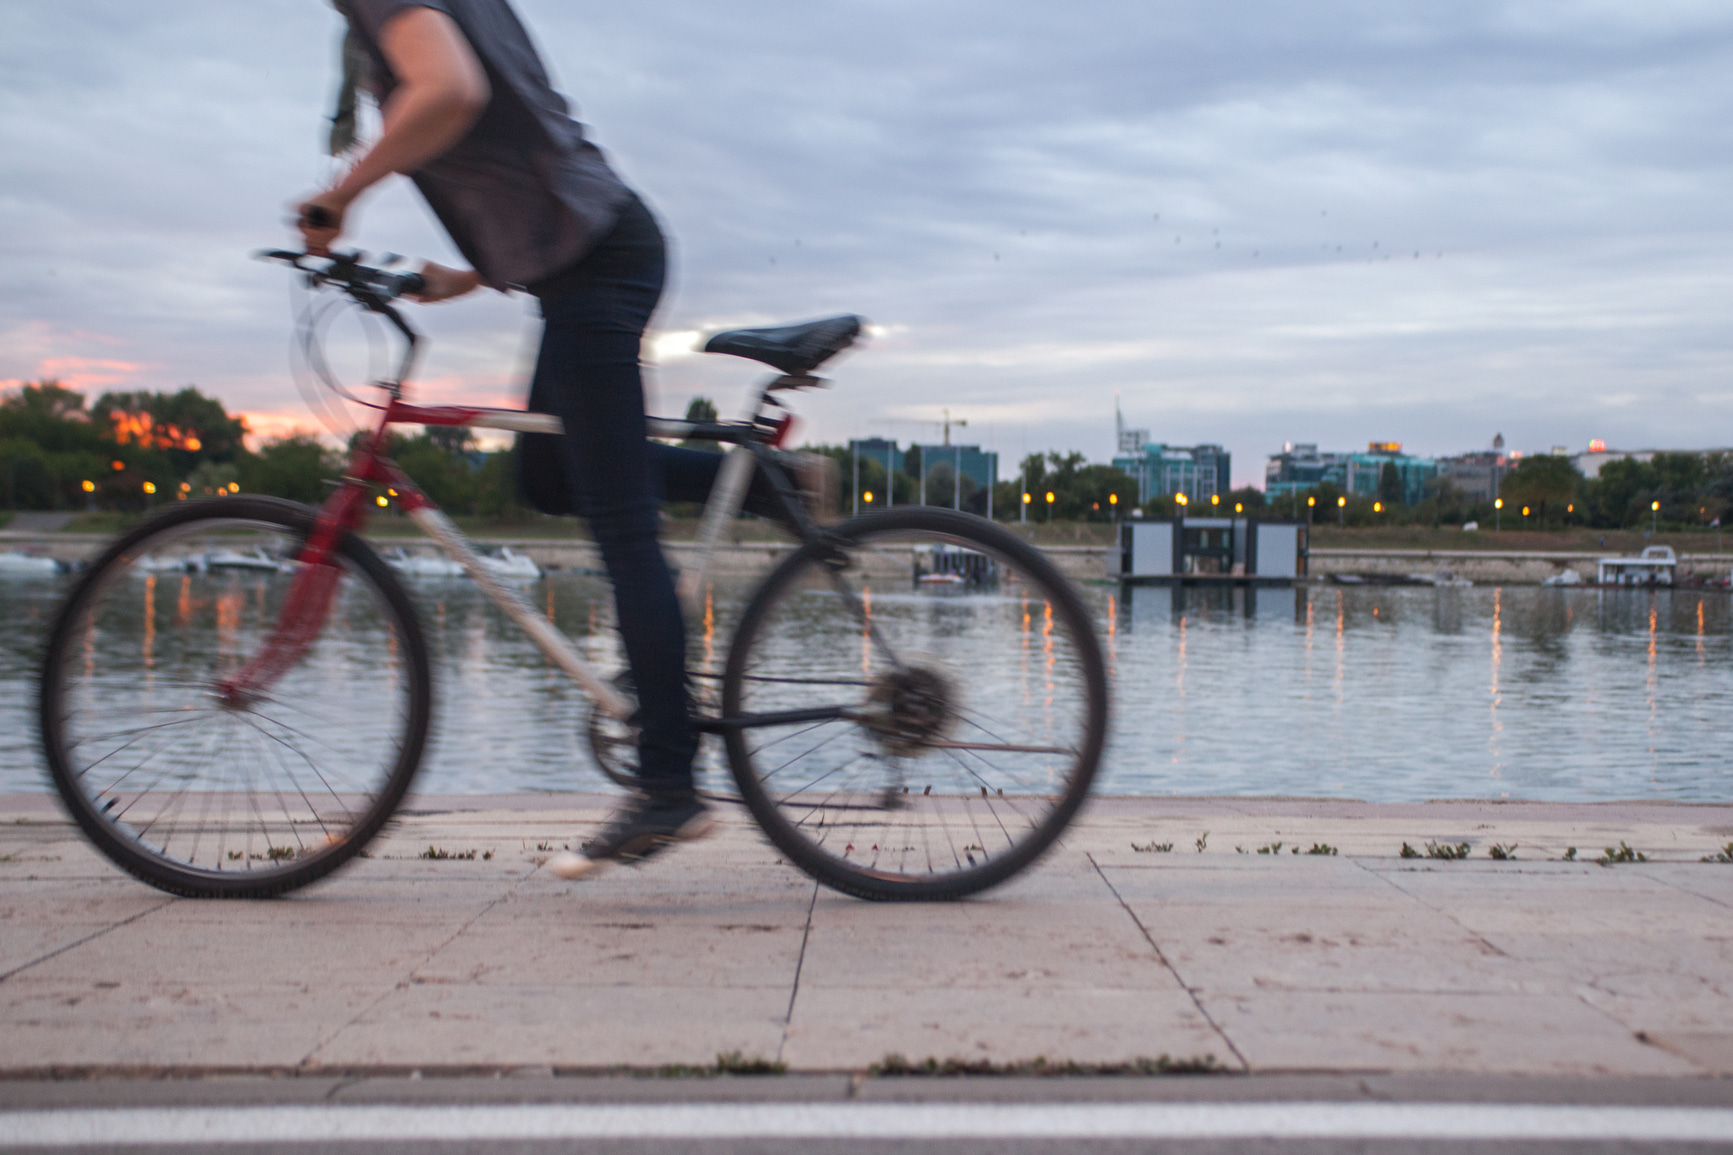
[165, 563]
[28, 564]
[510, 564]
[422, 565]
[1654, 566]
[946, 579]
[1569, 577]
[254, 559]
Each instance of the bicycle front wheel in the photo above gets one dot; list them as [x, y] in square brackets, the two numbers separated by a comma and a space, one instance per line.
[915, 709]
[207, 794]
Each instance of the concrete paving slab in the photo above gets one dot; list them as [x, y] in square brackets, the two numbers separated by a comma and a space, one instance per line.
[1711, 1051]
[528, 942]
[1272, 945]
[151, 1023]
[560, 1023]
[226, 943]
[1386, 1031]
[995, 943]
[1349, 963]
[1706, 1012]
[853, 1028]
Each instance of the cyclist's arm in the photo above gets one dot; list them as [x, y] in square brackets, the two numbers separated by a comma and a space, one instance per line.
[441, 92]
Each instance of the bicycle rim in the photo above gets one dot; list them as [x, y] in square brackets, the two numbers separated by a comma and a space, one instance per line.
[201, 797]
[966, 701]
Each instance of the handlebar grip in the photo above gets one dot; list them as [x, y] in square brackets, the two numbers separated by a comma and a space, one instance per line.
[318, 216]
[411, 285]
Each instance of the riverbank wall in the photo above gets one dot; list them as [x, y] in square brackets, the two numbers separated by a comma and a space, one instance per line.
[1079, 562]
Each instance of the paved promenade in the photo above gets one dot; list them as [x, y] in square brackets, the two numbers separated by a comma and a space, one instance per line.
[1113, 950]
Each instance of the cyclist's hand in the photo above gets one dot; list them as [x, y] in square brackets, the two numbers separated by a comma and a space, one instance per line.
[320, 220]
[444, 284]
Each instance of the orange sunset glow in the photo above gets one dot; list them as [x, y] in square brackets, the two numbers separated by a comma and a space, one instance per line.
[140, 428]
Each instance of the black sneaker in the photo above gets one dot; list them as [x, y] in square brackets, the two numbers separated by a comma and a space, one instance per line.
[642, 828]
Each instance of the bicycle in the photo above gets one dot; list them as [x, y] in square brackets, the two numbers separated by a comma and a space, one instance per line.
[236, 695]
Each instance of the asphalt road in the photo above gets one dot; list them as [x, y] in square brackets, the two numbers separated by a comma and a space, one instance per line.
[513, 1112]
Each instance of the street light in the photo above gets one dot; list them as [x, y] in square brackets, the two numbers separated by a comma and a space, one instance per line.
[1215, 499]
[869, 496]
[1654, 517]
[150, 487]
[1342, 511]
[1498, 513]
[1239, 508]
[1377, 507]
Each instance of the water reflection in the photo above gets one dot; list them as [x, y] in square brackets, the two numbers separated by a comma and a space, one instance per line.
[1423, 693]
[1378, 693]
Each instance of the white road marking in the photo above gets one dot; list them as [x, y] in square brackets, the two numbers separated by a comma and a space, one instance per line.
[311, 1124]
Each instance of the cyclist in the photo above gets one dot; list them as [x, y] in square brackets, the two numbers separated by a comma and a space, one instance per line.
[470, 116]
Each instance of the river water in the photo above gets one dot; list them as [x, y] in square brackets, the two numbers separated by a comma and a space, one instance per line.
[1384, 694]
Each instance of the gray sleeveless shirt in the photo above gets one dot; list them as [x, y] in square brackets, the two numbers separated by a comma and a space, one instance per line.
[524, 194]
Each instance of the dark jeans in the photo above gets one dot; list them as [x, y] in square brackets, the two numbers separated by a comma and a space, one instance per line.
[587, 372]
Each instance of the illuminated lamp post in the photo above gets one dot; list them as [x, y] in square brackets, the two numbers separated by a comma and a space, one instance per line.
[1113, 506]
[1311, 502]
[1342, 511]
[1050, 507]
[868, 495]
[1377, 507]
[1654, 518]
[1498, 513]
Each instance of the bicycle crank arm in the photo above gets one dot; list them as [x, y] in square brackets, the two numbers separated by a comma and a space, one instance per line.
[776, 718]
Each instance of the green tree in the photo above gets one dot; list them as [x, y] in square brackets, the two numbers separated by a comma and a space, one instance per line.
[701, 411]
[1390, 484]
[1544, 483]
[295, 468]
[446, 477]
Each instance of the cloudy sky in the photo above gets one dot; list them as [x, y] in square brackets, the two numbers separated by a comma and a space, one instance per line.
[1252, 221]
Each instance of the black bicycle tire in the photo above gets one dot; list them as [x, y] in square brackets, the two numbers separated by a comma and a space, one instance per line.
[832, 872]
[188, 883]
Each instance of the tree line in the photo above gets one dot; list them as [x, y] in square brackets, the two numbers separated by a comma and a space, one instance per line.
[129, 451]
[1673, 491]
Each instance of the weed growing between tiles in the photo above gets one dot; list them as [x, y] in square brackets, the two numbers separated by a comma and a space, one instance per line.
[896, 1066]
[436, 852]
[727, 1063]
[1724, 855]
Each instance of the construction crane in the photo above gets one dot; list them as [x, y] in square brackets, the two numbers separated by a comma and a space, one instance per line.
[944, 424]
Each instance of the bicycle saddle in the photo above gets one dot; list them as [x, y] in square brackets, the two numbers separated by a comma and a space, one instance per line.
[794, 349]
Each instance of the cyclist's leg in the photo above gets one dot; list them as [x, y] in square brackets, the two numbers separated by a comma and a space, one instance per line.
[588, 370]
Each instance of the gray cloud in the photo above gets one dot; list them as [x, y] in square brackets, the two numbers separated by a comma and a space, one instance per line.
[1434, 221]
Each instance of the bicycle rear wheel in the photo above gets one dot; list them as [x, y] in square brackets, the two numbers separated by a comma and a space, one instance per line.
[207, 797]
[917, 711]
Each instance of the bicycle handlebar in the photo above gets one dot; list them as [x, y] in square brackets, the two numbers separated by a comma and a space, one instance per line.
[368, 285]
[373, 289]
